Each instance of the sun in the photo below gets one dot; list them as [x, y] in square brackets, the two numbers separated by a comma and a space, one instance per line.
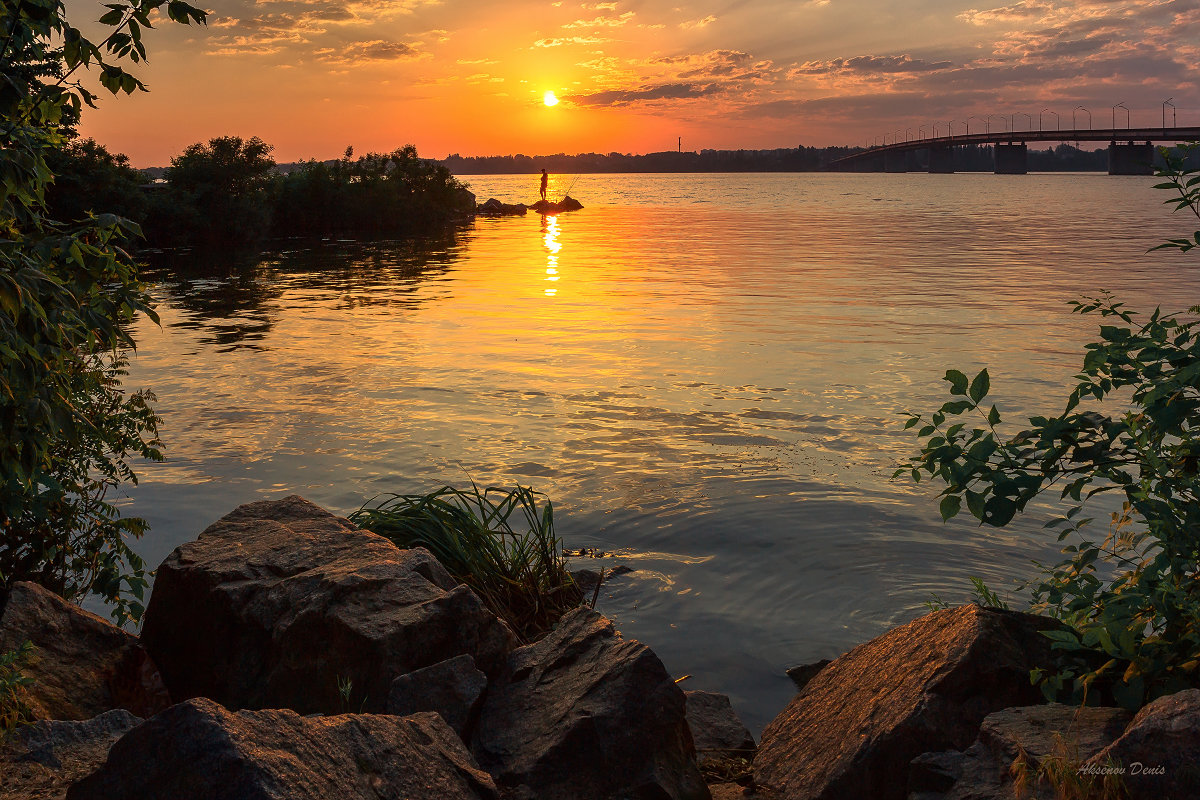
[549, 99]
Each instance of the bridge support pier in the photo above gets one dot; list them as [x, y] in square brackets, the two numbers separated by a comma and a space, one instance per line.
[941, 159]
[1012, 159]
[895, 162]
[1130, 159]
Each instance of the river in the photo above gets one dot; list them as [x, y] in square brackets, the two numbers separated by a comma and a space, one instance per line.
[706, 374]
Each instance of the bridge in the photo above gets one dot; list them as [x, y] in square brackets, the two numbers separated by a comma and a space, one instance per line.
[1130, 150]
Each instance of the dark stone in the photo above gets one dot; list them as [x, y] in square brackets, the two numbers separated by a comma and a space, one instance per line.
[39, 761]
[588, 579]
[82, 665]
[1067, 735]
[716, 729]
[922, 687]
[587, 715]
[1160, 750]
[198, 750]
[279, 602]
[803, 673]
[452, 688]
[494, 208]
[566, 204]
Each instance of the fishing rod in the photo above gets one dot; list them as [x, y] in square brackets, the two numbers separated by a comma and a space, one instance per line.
[569, 188]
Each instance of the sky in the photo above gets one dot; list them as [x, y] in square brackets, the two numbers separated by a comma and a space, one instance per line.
[312, 77]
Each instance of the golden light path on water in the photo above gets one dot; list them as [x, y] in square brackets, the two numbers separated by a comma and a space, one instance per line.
[707, 374]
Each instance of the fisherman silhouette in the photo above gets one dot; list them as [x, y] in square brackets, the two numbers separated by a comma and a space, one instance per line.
[545, 179]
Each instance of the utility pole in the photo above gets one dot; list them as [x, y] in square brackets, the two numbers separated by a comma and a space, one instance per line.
[679, 145]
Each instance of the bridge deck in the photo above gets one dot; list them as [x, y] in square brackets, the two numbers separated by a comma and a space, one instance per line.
[1176, 134]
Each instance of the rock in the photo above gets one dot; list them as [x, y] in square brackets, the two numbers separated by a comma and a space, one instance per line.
[587, 715]
[588, 579]
[39, 761]
[198, 750]
[1159, 751]
[803, 673]
[566, 204]
[280, 604]
[82, 665]
[716, 729]
[1040, 736]
[494, 208]
[453, 688]
[922, 687]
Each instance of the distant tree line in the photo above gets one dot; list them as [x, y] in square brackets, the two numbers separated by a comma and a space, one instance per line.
[970, 158]
[230, 192]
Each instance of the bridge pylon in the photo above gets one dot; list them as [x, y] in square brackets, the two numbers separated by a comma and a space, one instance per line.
[1130, 158]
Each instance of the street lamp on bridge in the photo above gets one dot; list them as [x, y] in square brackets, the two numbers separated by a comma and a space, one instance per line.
[921, 130]
[1080, 108]
[1114, 110]
[1012, 121]
[989, 120]
[968, 122]
[1057, 121]
[1166, 103]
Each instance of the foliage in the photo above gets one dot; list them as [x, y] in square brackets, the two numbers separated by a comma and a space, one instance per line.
[88, 178]
[14, 710]
[66, 292]
[521, 577]
[376, 193]
[1185, 182]
[1131, 596]
[217, 194]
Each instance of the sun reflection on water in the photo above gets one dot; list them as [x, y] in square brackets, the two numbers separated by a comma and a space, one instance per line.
[553, 246]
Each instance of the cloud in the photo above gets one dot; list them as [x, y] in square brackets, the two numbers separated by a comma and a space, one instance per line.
[601, 22]
[625, 97]
[872, 65]
[366, 52]
[696, 24]
[562, 40]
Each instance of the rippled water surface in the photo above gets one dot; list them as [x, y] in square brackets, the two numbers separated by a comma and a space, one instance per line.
[706, 373]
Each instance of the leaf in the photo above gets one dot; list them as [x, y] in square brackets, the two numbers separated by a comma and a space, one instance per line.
[980, 386]
[958, 381]
[950, 506]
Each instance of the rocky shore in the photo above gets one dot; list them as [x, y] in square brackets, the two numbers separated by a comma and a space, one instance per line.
[287, 654]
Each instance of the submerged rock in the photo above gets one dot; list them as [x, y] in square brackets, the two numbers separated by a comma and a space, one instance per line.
[280, 604]
[40, 761]
[82, 665]
[586, 715]
[922, 687]
[198, 750]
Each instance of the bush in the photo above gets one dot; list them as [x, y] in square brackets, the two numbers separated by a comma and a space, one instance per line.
[1131, 596]
[66, 294]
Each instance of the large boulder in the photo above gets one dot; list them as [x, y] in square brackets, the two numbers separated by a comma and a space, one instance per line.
[81, 665]
[1017, 747]
[587, 715]
[453, 688]
[280, 604]
[198, 750]
[716, 729]
[1158, 755]
[921, 687]
[40, 761]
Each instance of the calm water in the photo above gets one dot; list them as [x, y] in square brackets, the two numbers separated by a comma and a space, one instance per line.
[706, 374]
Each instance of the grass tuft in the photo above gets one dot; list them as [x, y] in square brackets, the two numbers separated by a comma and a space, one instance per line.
[497, 541]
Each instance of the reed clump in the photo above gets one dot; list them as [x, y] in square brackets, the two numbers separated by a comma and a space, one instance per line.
[499, 542]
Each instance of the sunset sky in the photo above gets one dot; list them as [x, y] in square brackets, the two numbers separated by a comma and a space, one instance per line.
[451, 76]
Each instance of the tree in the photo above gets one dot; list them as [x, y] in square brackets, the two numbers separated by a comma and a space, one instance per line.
[67, 291]
[218, 191]
[1132, 596]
